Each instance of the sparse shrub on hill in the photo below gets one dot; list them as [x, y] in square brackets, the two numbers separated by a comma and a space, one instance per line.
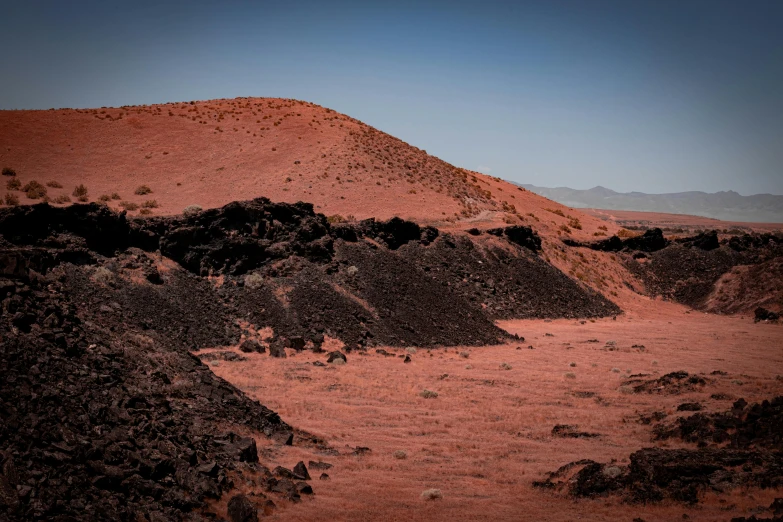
[105, 198]
[14, 184]
[335, 218]
[143, 190]
[54, 184]
[8, 171]
[11, 200]
[115, 196]
[80, 192]
[61, 199]
[129, 205]
[145, 211]
[575, 223]
[624, 232]
[603, 227]
[150, 203]
[191, 210]
[555, 211]
[34, 190]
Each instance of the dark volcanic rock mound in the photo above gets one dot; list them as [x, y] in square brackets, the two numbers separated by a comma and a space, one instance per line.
[242, 236]
[97, 424]
[418, 288]
[651, 241]
[688, 272]
[507, 284]
[740, 448]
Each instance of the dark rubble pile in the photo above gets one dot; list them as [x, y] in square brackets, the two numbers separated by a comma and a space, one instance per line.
[672, 383]
[741, 448]
[686, 271]
[651, 241]
[102, 425]
[506, 283]
[741, 427]
[404, 284]
[238, 237]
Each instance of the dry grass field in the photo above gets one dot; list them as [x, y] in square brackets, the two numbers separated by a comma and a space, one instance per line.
[488, 434]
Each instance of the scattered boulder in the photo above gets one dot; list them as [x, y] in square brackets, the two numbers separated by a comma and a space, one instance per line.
[251, 346]
[277, 348]
[300, 471]
[706, 241]
[336, 355]
[240, 509]
[297, 343]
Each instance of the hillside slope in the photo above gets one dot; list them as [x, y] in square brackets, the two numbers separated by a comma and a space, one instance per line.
[210, 153]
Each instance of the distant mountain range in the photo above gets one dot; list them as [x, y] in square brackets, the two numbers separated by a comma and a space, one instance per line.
[727, 206]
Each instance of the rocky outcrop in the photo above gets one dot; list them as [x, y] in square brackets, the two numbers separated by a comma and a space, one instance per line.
[740, 448]
[92, 426]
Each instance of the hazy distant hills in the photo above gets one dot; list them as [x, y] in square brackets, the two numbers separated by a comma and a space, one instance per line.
[728, 206]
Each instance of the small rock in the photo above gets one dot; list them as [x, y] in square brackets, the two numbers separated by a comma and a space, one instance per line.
[280, 471]
[336, 355]
[407, 359]
[431, 494]
[323, 476]
[297, 343]
[304, 488]
[399, 454]
[428, 394]
[300, 471]
[251, 346]
[240, 509]
[210, 468]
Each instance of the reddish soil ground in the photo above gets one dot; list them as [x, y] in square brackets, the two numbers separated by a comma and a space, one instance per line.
[487, 436]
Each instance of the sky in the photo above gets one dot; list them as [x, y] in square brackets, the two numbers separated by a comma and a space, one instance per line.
[652, 96]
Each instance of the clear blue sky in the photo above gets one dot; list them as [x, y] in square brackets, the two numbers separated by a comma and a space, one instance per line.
[655, 96]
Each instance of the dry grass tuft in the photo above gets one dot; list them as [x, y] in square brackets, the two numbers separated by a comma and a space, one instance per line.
[431, 494]
[129, 205]
[34, 190]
